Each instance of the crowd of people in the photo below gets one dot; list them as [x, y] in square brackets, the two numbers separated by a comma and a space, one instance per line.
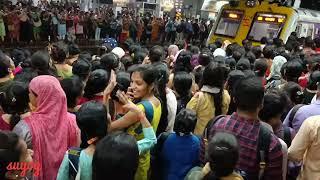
[222, 111]
[24, 23]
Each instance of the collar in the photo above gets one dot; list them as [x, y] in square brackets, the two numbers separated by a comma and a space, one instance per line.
[210, 89]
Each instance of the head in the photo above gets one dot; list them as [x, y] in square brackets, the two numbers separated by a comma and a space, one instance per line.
[4, 65]
[139, 57]
[214, 75]
[82, 68]
[15, 101]
[119, 52]
[231, 63]
[109, 62]
[243, 64]
[123, 79]
[40, 62]
[218, 43]
[205, 58]
[156, 54]
[42, 90]
[143, 79]
[219, 52]
[294, 92]
[256, 50]
[73, 49]
[18, 56]
[273, 107]
[233, 78]
[260, 67]
[185, 122]
[269, 52]
[173, 50]
[127, 61]
[276, 66]
[237, 55]
[229, 49]
[182, 83]
[85, 55]
[293, 70]
[92, 119]
[12, 149]
[247, 45]
[248, 94]
[73, 88]
[314, 79]
[115, 154]
[97, 82]
[59, 52]
[223, 154]
[183, 62]
[195, 50]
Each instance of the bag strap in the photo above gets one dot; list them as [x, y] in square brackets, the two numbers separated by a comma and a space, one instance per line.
[149, 112]
[264, 141]
[209, 126]
[148, 108]
[287, 136]
[73, 157]
[293, 113]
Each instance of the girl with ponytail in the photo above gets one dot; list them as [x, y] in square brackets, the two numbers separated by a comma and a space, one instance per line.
[14, 102]
[213, 99]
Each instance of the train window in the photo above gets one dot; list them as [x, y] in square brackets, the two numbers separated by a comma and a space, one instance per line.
[266, 25]
[229, 23]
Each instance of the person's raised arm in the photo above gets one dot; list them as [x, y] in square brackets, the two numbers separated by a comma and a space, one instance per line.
[128, 119]
[150, 138]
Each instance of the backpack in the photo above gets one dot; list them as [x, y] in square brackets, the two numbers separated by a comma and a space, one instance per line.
[264, 140]
[73, 157]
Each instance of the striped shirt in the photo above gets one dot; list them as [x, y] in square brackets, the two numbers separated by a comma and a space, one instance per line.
[247, 133]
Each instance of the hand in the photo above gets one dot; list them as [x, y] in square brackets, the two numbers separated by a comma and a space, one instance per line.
[146, 60]
[112, 83]
[128, 105]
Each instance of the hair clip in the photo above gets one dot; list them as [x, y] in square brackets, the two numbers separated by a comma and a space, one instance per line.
[13, 99]
[221, 148]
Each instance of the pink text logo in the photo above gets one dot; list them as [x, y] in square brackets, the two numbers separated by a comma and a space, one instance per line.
[24, 167]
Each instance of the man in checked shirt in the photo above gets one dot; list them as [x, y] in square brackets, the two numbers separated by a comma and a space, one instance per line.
[245, 125]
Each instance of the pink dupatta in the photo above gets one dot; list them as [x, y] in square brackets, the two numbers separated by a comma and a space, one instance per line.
[53, 129]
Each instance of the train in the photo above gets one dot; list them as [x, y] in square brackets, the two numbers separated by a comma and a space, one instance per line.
[255, 20]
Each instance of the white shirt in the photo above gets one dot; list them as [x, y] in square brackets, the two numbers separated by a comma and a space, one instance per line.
[172, 109]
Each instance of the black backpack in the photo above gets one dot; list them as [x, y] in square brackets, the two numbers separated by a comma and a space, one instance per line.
[264, 141]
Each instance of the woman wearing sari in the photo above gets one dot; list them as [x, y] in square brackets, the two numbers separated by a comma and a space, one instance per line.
[142, 89]
[50, 130]
[155, 30]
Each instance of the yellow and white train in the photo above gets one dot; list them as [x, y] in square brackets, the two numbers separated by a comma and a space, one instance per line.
[253, 22]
